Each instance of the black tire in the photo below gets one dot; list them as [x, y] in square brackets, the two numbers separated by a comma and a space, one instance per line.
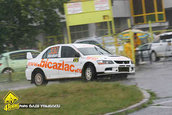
[7, 71]
[138, 59]
[39, 79]
[89, 73]
[154, 57]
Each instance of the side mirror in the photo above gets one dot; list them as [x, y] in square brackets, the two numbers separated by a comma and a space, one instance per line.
[77, 55]
[29, 55]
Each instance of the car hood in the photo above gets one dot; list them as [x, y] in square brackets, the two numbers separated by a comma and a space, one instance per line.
[104, 57]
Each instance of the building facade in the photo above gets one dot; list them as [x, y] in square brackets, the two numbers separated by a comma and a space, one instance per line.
[159, 12]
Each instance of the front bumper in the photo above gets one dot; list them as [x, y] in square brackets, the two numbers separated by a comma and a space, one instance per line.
[117, 69]
[28, 74]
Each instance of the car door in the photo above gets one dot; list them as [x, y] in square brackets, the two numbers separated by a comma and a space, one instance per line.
[165, 45]
[17, 61]
[162, 47]
[144, 51]
[70, 62]
[49, 62]
[169, 48]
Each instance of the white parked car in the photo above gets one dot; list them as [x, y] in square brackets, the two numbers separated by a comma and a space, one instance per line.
[75, 60]
[98, 41]
[161, 47]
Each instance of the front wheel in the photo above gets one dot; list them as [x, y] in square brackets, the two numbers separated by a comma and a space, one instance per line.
[39, 79]
[154, 57]
[89, 73]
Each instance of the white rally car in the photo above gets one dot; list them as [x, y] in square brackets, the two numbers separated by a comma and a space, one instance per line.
[75, 60]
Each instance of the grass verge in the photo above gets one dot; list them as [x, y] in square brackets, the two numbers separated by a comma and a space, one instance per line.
[76, 98]
[152, 97]
[16, 76]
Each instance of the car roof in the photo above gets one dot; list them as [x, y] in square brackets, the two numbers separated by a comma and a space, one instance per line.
[83, 45]
[16, 51]
[77, 45]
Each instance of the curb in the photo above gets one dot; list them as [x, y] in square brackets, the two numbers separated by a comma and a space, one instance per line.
[135, 106]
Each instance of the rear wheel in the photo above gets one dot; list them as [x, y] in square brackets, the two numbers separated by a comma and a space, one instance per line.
[154, 57]
[7, 71]
[39, 79]
[89, 73]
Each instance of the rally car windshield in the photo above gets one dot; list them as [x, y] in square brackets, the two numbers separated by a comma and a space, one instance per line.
[93, 51]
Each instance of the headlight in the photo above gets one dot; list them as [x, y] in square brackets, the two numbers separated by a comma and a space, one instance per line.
[105, 62]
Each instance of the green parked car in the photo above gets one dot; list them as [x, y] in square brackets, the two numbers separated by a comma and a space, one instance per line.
[15, 60]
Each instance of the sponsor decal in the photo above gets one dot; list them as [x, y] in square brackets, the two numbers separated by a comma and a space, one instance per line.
[92, 58]
[74, 8]
[55, 66]
[101, 5]
[53, 52]
[76, 60]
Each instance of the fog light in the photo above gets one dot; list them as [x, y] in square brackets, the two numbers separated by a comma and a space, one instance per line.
[108, 69]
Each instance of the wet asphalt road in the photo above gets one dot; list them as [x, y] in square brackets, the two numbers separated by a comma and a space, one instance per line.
[156, 77]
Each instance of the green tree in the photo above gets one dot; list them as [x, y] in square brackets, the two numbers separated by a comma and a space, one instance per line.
[22, 20]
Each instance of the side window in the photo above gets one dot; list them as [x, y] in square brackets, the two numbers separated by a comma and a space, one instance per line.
[145, 47]
[67, 52]
[84, 42]
[166, 38]
[35, 54]
[51, 53]
[18, 56]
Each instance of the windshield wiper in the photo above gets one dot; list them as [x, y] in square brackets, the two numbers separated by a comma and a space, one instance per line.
[98, 50]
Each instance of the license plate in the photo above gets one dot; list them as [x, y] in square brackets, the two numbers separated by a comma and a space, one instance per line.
[123, 69]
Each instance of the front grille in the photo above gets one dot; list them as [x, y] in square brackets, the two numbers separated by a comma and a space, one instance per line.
[122, 62]
[123, 69]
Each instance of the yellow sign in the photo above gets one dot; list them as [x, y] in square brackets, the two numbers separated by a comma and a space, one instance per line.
[9, 101]
[91, 11]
